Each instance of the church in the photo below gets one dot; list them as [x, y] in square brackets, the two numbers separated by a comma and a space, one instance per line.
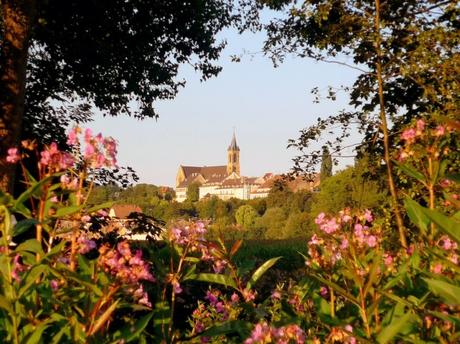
[225, 181]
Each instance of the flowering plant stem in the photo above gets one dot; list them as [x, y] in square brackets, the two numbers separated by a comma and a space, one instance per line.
[383, 119]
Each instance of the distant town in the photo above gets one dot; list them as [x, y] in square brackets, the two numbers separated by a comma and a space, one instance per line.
[226, 181]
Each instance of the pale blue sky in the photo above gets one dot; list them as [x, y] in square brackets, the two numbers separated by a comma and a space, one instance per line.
[266, 105]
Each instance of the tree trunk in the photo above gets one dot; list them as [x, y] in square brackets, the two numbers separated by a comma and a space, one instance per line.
[17, 18]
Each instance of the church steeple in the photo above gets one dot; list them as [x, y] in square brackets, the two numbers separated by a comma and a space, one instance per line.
[233, 157]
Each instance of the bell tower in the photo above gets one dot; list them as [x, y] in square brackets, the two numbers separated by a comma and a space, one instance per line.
[233, 157]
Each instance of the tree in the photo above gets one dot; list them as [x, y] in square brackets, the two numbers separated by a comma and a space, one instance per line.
[193, 192]
[102, 53]
[349, 188]
[326, 165]
[387, 42]
[273, 221]
[246, 216]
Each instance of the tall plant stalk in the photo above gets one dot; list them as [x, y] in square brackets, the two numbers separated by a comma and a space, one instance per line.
[384, 127]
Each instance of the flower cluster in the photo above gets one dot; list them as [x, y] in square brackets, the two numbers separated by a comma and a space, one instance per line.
[192, 238]
[428, 136]
[85, 245]
[337, 233]
[98, 151]
[264, 333]
[450, 249]
[128, 268]
[339, 335]
[217, 309]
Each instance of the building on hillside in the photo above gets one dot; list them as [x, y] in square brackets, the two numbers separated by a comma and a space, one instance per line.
[225, 181]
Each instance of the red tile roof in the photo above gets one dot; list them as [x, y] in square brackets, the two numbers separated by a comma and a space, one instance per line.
[122, 211]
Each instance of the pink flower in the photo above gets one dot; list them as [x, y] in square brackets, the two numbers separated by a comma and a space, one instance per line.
[323, 291]
[88, 135]
[177, 288]
[86, 245]
[437, 268]
[67, 161]
[371, 241]
[211, 297]
[368, 215]
[235, 298]
[409, 135]
[54, 285]
[13, 156]
[45, 158]
[388, 259]
[86, 218]
[330, 226]
[320, 218]
[276, 295]
[72, 138]
[349, 328]
[17, 267]
[89, 151]
[420, 127]
[440, 131]
[344, 245]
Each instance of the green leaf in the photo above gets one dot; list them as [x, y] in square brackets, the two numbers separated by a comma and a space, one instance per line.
[450, 293]
[397, 325]
[131, 332]
[23, 225]
[88, 285]
[5, 304]
[455, 177]
[61, 212]
[37, 334]
[337, 289]
[373, 273]
[411, 172]
[445, 224]
[243, 328]
[31, 277]
[103, 318]
[34, 190]
[56, 249]
[31, 245]
[416, 214]
[213, 278]
[261, 270]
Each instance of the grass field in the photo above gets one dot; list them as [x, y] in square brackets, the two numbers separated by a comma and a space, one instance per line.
[255, 252]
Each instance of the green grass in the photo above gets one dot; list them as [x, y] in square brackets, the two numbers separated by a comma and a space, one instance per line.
[254, 252]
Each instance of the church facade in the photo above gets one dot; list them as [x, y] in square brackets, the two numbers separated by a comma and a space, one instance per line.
[224, 181]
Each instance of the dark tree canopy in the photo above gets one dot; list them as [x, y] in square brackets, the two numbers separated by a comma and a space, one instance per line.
[61, 59]
[109, 53]
[416, 46]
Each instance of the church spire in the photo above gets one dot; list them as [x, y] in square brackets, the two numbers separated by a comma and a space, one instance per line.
[233, 145]
[233, 157]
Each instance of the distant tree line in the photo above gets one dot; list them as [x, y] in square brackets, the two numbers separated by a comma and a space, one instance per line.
[283, 214]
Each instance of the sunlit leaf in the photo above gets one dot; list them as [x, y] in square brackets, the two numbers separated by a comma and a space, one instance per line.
[261, 270]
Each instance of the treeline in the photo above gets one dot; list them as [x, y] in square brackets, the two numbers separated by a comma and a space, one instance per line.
[283, 214]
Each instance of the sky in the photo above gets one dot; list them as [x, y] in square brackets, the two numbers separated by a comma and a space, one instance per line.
[266, 107]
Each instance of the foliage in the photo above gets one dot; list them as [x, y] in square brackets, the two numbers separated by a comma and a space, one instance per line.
[246, 216]
[193, 192]
[350, 188]
[326, 165]
[418, 79]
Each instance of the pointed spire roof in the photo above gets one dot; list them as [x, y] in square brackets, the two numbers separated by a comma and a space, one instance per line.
[233, 145]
